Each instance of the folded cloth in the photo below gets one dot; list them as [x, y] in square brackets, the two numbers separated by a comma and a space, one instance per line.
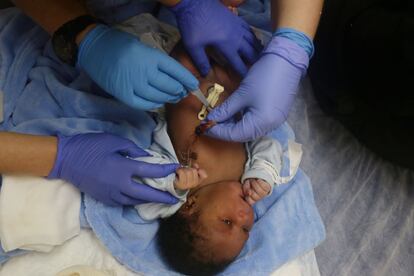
[44, 96]
[86, 250]
[36, 214]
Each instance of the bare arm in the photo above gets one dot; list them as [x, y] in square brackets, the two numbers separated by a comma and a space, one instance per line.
[51, 14]
[302, 15]
[27, 154]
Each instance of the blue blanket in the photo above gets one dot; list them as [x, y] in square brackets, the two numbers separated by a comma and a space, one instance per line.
[44, 96]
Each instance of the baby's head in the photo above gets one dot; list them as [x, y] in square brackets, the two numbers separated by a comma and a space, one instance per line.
[209, 231]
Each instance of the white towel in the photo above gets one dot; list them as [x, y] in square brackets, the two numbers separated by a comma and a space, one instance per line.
[36, 213]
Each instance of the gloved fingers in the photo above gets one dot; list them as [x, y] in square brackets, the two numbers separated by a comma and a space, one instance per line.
[226, 110]
[250, 37]
[131, 150]
[123, 199]
[167, 85]
[140, 103]
[147, 193]
[248, 53]
[143, 169]
[200, 59]
[242, 131]
[235, 61]
[178, 72]
[155, 95]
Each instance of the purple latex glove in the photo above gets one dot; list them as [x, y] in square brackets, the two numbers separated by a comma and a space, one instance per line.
[96, 163]
[209, 23]
[265, 95]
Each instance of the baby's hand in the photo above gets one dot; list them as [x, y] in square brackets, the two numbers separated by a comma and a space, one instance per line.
[255, 189]
[188, 178]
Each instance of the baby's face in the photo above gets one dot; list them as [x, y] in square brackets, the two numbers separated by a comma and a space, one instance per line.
[225, 218]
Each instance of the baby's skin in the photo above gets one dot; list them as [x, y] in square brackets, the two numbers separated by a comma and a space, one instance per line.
[223, 204]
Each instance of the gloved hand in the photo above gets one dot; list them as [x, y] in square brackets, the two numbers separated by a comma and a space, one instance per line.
[138, 75]
[209, 23]
[96, 164]
[265, 95]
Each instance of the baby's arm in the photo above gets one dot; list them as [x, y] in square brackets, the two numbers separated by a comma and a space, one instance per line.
[177, 185]
[262, 168]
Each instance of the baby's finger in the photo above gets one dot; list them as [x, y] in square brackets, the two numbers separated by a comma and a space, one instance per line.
[196, 166]
[257, 188]
[264, 185]
[190, 176]
[246, 187]
[249, 200]
[255, 196]
[182, 177]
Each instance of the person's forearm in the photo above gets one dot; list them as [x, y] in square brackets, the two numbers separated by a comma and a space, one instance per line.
[302, 15]
[51, 14]
[27, 154]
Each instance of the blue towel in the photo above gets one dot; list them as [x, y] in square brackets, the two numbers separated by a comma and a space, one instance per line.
[287, 224]
[44, 96]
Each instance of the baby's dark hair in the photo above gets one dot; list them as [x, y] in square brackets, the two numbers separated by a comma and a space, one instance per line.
[179, 243]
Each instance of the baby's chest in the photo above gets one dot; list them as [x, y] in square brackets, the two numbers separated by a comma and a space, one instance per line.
[221, 160]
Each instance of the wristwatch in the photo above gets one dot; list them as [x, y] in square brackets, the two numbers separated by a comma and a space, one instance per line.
[64, 38]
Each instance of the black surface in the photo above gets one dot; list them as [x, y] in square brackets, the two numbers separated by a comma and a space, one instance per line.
[363, 73]
[5, 4]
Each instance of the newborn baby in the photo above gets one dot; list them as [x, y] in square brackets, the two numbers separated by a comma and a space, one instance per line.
[207, 229]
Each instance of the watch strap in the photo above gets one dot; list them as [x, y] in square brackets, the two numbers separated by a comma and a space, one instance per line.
[64, 38]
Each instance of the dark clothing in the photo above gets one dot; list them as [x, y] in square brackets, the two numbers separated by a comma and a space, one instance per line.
[363, 72]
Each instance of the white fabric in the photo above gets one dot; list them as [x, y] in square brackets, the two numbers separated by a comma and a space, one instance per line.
[84, 270]
[162, 152]
[86, 250]
[294, 156]
[265, 160]
[37, 214]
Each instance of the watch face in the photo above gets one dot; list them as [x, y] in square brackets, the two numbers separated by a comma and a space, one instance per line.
[63, 39]
[65, 50]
